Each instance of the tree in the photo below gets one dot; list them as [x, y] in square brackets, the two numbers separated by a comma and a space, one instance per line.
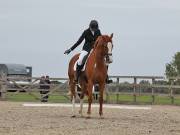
[173, 68]
[177, 62]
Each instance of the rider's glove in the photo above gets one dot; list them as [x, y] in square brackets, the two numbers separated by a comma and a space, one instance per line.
[67, 51]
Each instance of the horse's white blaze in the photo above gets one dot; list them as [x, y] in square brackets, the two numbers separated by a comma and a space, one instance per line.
[73, 106]
[109, 45]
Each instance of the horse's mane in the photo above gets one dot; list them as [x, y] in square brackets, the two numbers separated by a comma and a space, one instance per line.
[96, 43]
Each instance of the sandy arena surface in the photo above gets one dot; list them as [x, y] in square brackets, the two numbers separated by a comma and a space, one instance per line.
[16, 119]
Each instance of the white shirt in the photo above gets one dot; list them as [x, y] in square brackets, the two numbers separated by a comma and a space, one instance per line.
[92, 32]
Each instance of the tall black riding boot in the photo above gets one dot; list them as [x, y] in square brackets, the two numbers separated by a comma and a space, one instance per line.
[78, 72]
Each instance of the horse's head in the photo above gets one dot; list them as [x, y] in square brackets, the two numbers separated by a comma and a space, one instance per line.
[105, 45]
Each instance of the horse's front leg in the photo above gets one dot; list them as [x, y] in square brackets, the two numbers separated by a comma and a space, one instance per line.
[90, 86]
[101, 91]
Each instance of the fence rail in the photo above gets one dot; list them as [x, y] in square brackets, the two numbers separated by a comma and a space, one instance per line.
[33, 86]
[170, 87]
[28, 86]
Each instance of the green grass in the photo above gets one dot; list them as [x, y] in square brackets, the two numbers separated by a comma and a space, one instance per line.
[122, 98]
[21, 97]
[177, 100]
[143, 99]
[25, 97]
[58, 99]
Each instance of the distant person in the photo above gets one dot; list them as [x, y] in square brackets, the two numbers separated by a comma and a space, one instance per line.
[42, 82]
[44, 86]
[47, 87]
[48, 82]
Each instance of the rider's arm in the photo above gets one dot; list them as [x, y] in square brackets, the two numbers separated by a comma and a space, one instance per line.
[79, 41]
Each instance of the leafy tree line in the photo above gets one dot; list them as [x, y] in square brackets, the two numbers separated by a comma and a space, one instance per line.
[173, 68]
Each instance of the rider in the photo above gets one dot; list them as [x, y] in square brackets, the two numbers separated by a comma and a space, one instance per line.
[90, 35]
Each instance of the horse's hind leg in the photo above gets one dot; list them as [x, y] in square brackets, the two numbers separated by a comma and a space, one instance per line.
[83, 89]
[89, 88]
[81, 105]
[73, 97]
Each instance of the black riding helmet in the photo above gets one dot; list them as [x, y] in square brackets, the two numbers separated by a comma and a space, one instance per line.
[94, 25]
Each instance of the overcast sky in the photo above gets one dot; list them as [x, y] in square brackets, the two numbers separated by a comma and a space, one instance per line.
[37, 32]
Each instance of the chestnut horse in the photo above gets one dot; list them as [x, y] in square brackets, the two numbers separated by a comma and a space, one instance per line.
[95, 73]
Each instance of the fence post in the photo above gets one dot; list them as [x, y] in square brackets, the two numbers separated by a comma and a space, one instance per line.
[117, 81]
[3, 82]
[117, 98]
[171, 92]
[117, 91]
[0, 86]
[134, 88]
[153, 96]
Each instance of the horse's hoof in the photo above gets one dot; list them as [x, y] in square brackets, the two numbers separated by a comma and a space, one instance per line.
[101, 117]
[80, 112]
[73, 116]
[81, 115]
[88, 117]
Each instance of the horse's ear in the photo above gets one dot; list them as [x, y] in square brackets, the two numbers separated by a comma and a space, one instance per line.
[111, 36]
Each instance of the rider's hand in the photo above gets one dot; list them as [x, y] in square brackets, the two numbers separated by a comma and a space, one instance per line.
[67, 51]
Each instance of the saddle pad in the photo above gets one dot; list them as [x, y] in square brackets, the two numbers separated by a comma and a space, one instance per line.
[84, 67]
